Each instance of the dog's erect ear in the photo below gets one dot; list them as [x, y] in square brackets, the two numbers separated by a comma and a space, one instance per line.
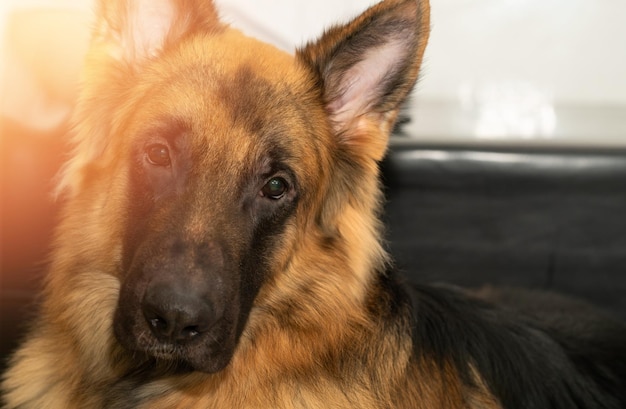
[136, 29]
[366, 69]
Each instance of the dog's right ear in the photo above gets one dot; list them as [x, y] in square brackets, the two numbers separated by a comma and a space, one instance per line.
[132, 30]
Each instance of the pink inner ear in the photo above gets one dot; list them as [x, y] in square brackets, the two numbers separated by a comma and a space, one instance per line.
[147, 27]
[360, 85]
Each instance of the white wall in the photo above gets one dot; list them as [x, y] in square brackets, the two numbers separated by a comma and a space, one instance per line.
[574, 50]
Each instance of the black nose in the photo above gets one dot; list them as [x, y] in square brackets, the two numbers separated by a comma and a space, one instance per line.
[176, 316]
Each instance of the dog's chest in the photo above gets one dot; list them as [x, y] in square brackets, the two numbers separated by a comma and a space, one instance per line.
[285, 394]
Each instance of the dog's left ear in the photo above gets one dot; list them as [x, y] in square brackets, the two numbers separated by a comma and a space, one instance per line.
[366, 69]
[127, 34]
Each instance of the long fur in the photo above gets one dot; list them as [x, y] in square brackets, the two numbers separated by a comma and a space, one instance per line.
[184, 132]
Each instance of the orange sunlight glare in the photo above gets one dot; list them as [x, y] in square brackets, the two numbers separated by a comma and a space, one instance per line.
[42, 44]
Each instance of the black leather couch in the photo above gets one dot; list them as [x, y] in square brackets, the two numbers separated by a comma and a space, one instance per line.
[551, 218]
[540, 218]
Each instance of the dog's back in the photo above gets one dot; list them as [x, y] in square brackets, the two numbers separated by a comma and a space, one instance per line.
[531, 349]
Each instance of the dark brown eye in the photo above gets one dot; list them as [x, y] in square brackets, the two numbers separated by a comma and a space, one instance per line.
[158, 154]
[275, 188]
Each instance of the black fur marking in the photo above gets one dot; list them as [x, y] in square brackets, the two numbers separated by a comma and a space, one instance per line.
[524, 363]
[148, 184]
[252, 100]
[241, 226]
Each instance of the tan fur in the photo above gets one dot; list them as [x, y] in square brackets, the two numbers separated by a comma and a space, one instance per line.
[71, 358]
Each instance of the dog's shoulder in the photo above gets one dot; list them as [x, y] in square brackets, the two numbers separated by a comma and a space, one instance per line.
[529, 348]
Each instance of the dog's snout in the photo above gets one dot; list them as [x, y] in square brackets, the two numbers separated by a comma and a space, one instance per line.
[176, 316]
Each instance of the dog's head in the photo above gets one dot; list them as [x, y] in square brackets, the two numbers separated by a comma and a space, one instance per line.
[209, 158]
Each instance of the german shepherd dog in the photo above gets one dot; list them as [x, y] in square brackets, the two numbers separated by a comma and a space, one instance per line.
[221, 246]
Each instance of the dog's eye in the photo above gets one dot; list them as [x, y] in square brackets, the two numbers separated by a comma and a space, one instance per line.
[158, 154]
[275, 188]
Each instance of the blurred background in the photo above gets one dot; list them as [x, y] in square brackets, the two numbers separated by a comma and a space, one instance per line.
[511, 170]
[494, 69]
